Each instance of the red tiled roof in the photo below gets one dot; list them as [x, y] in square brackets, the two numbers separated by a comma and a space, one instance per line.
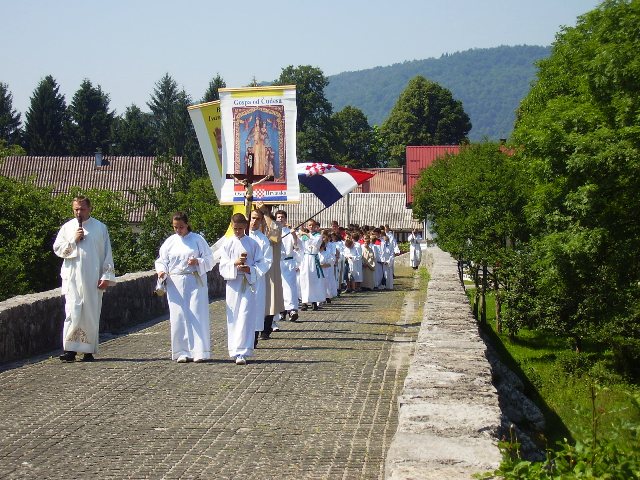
[385, 180]
[421, 157]
[117, 174]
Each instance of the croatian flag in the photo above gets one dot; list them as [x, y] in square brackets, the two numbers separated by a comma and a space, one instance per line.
[330, 182]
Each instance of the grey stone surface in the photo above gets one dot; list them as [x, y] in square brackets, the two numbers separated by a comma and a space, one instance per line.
[319, 401]
[375, 385]
[32, 324]
[449, 414]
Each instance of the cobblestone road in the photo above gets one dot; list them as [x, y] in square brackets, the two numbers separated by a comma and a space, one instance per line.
[317, 402]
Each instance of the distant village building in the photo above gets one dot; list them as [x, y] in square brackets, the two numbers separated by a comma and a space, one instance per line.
[125, 175]
[420, 158]
[378, 201]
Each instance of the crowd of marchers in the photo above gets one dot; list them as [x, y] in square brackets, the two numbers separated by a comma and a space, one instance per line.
[272, 273]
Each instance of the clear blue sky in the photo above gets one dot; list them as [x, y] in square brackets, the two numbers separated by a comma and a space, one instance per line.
[126, 46]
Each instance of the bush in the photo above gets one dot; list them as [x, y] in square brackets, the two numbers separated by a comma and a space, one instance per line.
[574, 363]
[626, 356]
[403, 246]
[612, 458]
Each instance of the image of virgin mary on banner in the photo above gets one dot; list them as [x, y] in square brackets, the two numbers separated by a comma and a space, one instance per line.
[259, 145]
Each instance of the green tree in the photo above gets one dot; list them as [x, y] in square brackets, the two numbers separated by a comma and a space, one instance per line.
[316, 135]
[425, 114]
[90, 120]
[9, 118]
[28, 226]
[9, 150]
[174, 132]
[46, 120]
[475, 201]
[206, 215]
[164, 105]
[580, 142]
[170, 177]
[211, 94]
[355, 144]
[132, 133]
[177, 190]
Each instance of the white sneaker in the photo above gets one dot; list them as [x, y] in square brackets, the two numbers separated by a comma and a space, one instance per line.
[240, 360]
[183, 359]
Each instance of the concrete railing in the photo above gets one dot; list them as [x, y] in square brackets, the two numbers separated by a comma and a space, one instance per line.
[32, 324]
[449, 414]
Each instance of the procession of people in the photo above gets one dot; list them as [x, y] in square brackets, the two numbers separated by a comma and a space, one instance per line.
[272, 272]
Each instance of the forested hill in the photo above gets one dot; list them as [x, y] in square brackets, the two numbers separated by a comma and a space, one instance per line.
[490, 82]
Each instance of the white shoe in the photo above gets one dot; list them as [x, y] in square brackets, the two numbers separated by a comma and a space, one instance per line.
[183, 359]
[240, 360]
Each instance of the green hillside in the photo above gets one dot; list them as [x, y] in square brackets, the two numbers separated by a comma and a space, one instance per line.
[490, 82]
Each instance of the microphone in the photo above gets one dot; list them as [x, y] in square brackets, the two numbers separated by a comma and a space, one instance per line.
[79, 221]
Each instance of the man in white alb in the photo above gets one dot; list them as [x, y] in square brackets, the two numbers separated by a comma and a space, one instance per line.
[87, 271]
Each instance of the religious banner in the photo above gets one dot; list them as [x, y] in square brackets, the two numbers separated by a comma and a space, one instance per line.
[259, 145]
[208, 125]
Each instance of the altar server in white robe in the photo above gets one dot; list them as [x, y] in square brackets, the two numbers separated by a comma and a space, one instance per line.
[378, 274]
[184, 260]
[312, 288]
[256, 223]
[394, 246]
[289, 266]
[415, 249]
[387, 258]
[238, 259]
[87, 271]
[327, 258]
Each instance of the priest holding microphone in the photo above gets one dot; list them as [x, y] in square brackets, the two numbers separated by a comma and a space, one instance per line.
[87, 270]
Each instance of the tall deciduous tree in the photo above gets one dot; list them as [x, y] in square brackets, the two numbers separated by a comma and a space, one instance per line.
[425, 114]
[90, 120]
[211, 94]
[316, 134]
[46, 120]
[132, 133]
[9, 118]
[578, 128]
[475, 202]
[355, 144]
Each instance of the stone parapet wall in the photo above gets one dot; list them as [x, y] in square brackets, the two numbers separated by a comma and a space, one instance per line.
[32, 324]
[449, 414]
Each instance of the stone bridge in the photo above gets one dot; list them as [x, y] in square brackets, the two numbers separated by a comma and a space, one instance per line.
[391, 384]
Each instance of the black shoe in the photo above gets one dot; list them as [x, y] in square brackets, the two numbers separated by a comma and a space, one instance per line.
[293, 316]
[328, 300]
[255, 340]
[315, 306]
[304, 307]
[264, 336]
[87, 357]
[68, 357]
